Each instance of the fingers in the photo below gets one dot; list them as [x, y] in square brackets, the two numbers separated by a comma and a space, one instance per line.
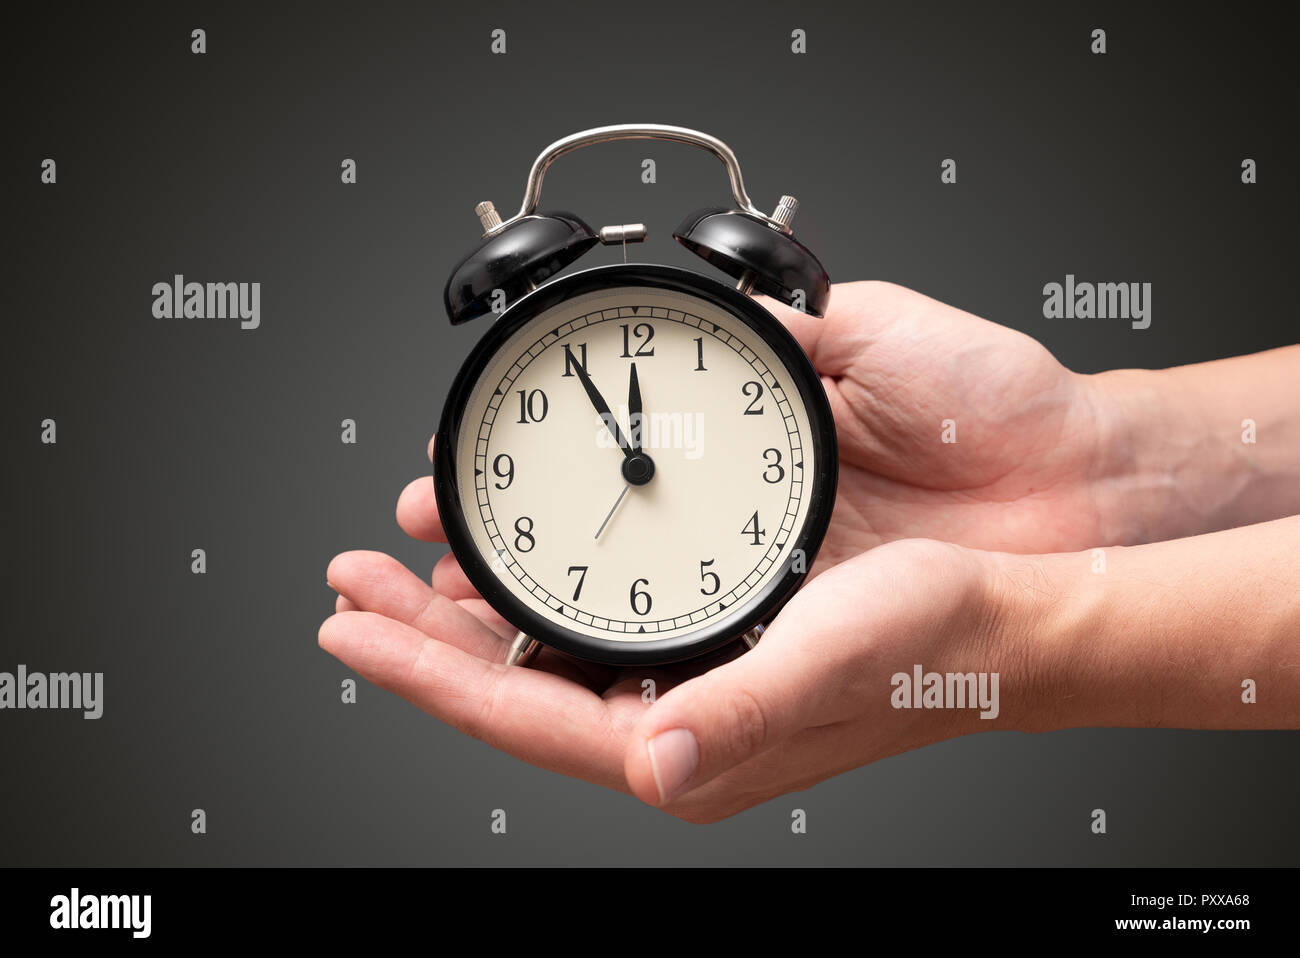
[489, 617]
[801, 761]
[822, 662]
[858, 315]
[719, 720]
[378, 583]
[417, 511]
[536, 716]
[450, 579]
[835, 341]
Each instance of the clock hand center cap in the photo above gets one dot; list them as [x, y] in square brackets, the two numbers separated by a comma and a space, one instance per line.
[638, 469]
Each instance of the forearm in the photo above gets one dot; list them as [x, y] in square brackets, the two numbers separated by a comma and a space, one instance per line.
[1197, 448]
[1194, 633]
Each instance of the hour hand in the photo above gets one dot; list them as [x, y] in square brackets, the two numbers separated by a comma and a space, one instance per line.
[602, 408]
[635, 424]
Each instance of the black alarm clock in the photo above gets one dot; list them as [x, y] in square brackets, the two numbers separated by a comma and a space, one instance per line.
[637, 463]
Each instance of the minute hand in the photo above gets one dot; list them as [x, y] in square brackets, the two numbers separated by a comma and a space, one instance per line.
[602, 408]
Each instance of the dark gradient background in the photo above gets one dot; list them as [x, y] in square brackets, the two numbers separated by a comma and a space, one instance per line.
[177, 434]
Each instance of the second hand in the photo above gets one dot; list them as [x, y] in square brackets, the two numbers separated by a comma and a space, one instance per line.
[610, 514]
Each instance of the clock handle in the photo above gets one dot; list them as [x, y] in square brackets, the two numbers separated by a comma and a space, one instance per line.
[639, 131]
[516, 255]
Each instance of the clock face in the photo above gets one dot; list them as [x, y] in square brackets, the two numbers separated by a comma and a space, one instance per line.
[618, 531]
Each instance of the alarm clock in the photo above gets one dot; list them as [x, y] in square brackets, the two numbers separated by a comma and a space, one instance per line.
[637, 463]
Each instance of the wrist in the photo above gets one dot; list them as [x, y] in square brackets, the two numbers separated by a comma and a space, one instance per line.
[1045, 606]
[1193, 449]
[1172, 634]
[1155, 473]
[1002, 624]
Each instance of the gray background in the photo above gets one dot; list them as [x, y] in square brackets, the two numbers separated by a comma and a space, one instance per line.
[182, 434]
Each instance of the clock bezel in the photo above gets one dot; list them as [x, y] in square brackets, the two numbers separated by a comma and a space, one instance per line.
[751, 611]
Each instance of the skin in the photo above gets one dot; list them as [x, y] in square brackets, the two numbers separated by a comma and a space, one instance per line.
[1017, 550]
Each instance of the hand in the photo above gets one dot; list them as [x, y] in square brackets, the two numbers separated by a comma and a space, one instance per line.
[811, 700]
[1070, 644]
[439, 647]
[903, 373]
[1044, 460]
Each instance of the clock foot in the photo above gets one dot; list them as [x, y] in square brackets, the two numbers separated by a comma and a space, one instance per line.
[751, 637]
[522, 650]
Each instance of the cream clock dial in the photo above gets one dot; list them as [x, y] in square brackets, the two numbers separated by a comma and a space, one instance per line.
[636, 464]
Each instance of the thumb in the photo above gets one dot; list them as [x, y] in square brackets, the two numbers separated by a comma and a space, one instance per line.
[718, 720]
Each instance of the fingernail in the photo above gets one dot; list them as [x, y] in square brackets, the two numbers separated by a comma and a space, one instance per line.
[673, 757]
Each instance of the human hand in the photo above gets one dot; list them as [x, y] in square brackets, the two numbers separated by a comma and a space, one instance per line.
[810, 701]
[1040, 463]
[1135, 641]
[1044, 459]
[879, 352]
[903, 373]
